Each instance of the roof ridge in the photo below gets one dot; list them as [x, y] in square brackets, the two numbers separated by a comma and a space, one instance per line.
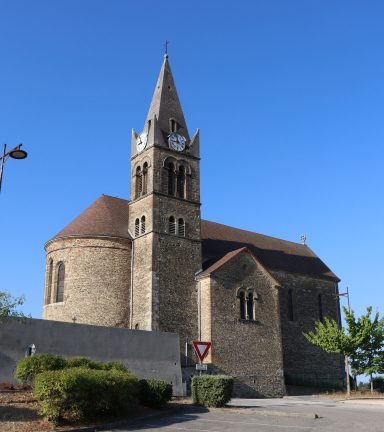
[110, 196]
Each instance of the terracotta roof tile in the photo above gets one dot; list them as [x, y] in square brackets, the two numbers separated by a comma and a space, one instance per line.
[219, 240]
[106, 216]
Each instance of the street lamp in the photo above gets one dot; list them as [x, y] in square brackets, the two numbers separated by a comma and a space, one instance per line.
[15, 153]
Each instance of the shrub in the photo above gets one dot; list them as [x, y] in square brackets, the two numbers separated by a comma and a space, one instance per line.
[6, 386]
[72, 362]
[85, 393]
[117, 366]
[212, 390]
[155, 393]
[23, 387]
[28, 367]
[97, 365]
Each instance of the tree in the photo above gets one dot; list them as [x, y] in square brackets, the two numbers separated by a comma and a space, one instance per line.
[8, 308]
[361, 342]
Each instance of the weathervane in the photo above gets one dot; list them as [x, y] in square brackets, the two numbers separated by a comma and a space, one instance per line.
[166, 47]
[303, 238]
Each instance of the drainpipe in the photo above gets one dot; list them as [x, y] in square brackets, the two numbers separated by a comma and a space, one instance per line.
[343, 374]
[199, 301]
[132, 254]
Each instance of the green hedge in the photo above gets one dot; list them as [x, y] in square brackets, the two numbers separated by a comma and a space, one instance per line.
[85, 393]
[212, 390]
[155, 393]
[28, 367]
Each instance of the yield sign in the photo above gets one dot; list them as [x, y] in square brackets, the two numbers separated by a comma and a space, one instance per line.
[202, 349]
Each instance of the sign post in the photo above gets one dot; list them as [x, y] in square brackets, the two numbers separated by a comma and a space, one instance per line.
[202, 349]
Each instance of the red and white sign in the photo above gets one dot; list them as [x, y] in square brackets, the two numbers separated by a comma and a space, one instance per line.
[202, 349]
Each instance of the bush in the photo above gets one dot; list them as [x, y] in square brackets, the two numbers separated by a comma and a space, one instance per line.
[378, 383]
[212, 390]
[6, 386]
[28, 367]
[72, 362]
[85, 393]
[97, 365]
[117, 366]
[155, 393]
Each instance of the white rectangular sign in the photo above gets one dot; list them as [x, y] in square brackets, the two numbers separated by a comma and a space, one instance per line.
[201, 367]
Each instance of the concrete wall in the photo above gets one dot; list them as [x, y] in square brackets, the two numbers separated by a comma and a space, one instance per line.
[146, 354]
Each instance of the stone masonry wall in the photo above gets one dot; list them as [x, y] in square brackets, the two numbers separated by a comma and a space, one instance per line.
[97, 280]
[249, 350]
[300, 356]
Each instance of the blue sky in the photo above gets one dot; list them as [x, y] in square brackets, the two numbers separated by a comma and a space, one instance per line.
[288, 96]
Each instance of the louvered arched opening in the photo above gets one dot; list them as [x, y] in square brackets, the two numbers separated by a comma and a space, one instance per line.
[172, 225]
[181, 182]
[60, 283]
[143, 225]
[181, 226]
[139, 182]
[250, 306]
[171, 179]
[137, 227]
[145, 178]
[242, 305]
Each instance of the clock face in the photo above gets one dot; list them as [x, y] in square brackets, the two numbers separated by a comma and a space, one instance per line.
[177, 141]
[141, 141]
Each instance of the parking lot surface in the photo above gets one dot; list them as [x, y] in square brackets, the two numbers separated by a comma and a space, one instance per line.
[333, 415]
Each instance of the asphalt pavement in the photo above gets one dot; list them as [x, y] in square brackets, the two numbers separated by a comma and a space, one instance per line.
[268, 415]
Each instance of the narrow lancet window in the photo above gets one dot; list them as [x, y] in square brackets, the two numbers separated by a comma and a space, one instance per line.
[242, 305]
[143, 225]
[49, 291]
[171, 179]
[181, 182]
[320, 308]
[181, 226]
[139, 182]
[290, 305]
[137, 227]
[60, 283]
[172, 225]
[145, 177]
[250, 306]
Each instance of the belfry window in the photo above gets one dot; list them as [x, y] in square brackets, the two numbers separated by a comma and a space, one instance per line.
[171, 179]
[181, 227]
[242, 305]
[145, 177]
[49, 291]
[321, 318]
[139, 182]
[143, 225]
[181, 182]
[250, 306]
[290, 305]
[173, 125]
[137, 227]
[60, 283]
[172, 225]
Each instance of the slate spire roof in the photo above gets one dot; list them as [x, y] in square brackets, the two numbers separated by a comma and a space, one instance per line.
[166, 104]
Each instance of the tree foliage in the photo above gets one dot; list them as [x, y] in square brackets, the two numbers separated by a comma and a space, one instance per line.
[8, 308]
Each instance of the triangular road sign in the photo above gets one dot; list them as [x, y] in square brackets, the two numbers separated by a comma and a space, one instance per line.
[202, 349]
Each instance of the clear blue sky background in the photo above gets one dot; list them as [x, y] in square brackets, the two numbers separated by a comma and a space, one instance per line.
[288, 96]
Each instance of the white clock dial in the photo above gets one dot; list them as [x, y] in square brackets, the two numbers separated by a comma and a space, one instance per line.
[141, 141]
[177, 141]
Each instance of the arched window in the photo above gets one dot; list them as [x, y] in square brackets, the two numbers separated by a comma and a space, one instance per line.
[250, 306]
[137, 227]
[290, 305]
[139, 182]
[173, 125]
[242, 305]
[172, 225]
[60, 283]
[181, 226]
[137, 327]
[145, 177]
[50, 282]
[320, 308]
[181, 182]
[143, 225]
[171, 179]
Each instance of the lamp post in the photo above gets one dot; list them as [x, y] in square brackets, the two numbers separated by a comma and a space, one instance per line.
[15, 153]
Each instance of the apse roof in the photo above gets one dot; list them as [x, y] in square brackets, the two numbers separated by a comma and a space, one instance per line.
[108, 216]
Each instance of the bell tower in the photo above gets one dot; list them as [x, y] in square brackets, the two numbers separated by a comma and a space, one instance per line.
[164, 217]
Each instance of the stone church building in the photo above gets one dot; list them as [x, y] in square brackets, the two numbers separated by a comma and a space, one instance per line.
[151, 263]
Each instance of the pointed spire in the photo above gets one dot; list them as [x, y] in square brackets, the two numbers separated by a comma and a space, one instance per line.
[166, 104]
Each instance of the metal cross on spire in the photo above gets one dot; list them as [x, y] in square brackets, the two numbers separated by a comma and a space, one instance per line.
[166, 47]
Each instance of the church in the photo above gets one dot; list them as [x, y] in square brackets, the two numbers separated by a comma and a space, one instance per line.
[152, 264]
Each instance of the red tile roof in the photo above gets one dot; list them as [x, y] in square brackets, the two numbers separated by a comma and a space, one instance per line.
[106, 216]
[273, 253]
